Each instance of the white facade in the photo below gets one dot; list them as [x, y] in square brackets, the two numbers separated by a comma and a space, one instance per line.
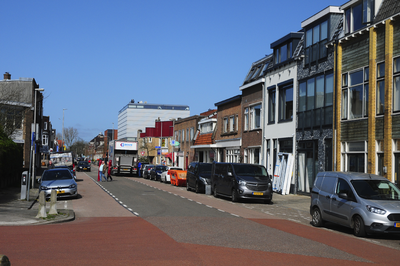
[135, 116]
[279, 129]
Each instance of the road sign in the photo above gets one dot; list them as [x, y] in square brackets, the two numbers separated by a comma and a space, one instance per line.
[158, 147]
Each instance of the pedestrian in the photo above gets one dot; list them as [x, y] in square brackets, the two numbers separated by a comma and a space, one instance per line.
[105, 171]
[102, 171]
[98, 174]
[109, 170]
[139, 169]
[50, 165]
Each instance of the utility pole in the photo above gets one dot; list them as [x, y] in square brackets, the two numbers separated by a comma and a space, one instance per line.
[62, 141]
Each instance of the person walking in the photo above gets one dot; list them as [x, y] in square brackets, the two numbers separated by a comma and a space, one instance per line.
[109, 171]
[50, 165]
[139, 169]
[98, 173]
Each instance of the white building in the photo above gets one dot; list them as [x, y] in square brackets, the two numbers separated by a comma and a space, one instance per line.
[135, 116]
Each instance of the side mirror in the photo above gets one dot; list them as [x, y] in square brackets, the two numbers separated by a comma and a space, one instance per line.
[343, 196]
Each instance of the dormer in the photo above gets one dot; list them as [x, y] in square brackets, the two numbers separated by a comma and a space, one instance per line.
[359, 14]
[285, 46]
[319, 30]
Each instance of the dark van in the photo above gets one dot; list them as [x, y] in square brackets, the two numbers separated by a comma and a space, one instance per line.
[198, 176]
[241, 181]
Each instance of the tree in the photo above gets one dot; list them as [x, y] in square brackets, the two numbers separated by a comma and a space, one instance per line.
[70, 135]
[79, 147]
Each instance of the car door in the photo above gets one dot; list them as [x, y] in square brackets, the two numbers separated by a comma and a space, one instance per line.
[325, 194]
[341, 208]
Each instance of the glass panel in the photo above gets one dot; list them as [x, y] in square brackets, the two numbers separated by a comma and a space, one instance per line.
[310, 94]
[323, 51]
[289, 103]
[356, 102]
[271, 106]
[283, 53]
[366, 99]
[380, 97]
[302, 96]
[367, 10]
[356, 78]
[344, 80]
[356, 163]
[329, 90]
[309, 38]
[347, 21]
[324, 30]
[316, 34]
[314, 52]
[319, 92]
[366, 74]
[356, 146]
[396, 94]
[357, 17]
[381, 70]
[344, 104]
[396, 65]
[257, 112]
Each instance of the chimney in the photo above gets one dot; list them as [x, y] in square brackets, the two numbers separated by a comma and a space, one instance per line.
[7, 75]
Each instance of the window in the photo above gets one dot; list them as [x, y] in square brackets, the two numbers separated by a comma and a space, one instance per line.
[45, 140]
[283, 53]
[396, 84]
[354, 156]
[316, 40]
[380, 89]
[271, 106]
[246, 118]
[225, 124]
[255, 117]
[187, 135]
[45, 126]
[149, 139]
[231, 123]
[286, 103]
[191, 133]
[183, 135]
[232, 155]
[358, 16]
[355, 94]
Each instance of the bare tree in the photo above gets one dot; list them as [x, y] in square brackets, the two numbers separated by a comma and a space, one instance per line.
[79, 147]
[70, 135]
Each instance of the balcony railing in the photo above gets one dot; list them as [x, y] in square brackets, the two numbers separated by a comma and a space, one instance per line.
[316, 118]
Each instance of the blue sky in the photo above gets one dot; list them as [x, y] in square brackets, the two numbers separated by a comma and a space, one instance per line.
[93, 57]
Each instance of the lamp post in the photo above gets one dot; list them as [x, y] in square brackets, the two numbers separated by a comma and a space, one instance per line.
[62, 141]
[113, 132]
[32, 173]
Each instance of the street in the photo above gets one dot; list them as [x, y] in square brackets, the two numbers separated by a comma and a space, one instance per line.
[135, 221]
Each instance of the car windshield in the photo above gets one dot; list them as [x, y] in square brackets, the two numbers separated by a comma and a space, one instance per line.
[83, 163]
[205, 168]
[250, 170]
[376, 189]
[162, 168]
[56, 175]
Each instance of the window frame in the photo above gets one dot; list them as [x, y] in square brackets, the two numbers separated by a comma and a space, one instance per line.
[283, 103]
[396, 85]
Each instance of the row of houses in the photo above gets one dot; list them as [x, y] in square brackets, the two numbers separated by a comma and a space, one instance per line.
[327, 98]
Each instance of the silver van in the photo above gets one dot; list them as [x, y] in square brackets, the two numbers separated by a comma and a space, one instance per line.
[366, 203]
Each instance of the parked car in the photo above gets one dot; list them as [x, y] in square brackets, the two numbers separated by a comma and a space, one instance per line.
[59, 179]
[83, 166]
[178, 177]
[366, 203]
[241, 181]
[165, 176]
[155, 173]
[146, 171]
[141, 170]
[198, 176]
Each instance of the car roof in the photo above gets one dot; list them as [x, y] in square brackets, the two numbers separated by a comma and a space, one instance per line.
[352, 175]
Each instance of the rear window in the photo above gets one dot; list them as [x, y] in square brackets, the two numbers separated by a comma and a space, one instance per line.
[162, 168]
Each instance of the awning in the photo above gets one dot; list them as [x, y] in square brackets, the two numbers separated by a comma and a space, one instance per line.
[169, 155]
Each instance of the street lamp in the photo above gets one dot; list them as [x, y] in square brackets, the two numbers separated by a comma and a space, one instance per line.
[32, 173]
[62, 141]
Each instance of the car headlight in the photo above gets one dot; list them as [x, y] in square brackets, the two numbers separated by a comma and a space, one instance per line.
[43, 188]
[202, 179]
[241, 182]
[72, 186]
[375, 210]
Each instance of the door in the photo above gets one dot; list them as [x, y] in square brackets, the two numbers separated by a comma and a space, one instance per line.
[341, 208]
[325, 194]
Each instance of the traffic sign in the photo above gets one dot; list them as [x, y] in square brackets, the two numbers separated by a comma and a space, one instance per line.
[158, 147]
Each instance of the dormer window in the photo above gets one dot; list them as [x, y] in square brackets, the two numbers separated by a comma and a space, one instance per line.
[358, 16]
[316, 39]
[283, 53]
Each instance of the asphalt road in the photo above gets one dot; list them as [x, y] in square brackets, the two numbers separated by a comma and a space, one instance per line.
[133, 221]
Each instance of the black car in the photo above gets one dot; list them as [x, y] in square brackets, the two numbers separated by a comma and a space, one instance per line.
[146, 171]
[198, 176]
[155, 173]
[83, 166]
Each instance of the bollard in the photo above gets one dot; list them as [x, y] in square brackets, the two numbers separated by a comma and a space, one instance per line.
[4, 261]
[42, 206]
[53, 202]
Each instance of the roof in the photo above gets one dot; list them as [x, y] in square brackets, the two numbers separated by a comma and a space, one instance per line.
[387, 9]
[229, 100]
[203, 139]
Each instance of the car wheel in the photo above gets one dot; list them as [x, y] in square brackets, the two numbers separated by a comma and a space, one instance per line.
[235, 196]
[358, 226]
[197, 189]
[187, 186]
[316, 217]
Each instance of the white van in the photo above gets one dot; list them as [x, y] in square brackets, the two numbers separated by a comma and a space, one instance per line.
[366, 203]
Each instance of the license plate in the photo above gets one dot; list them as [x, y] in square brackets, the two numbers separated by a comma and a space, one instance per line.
[125, 169]
[258, 193]
[84, 168]
[396, 224]
[60, 191]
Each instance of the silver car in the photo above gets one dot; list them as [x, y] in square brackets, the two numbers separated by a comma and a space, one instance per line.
[59, 179]
[366, 203]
